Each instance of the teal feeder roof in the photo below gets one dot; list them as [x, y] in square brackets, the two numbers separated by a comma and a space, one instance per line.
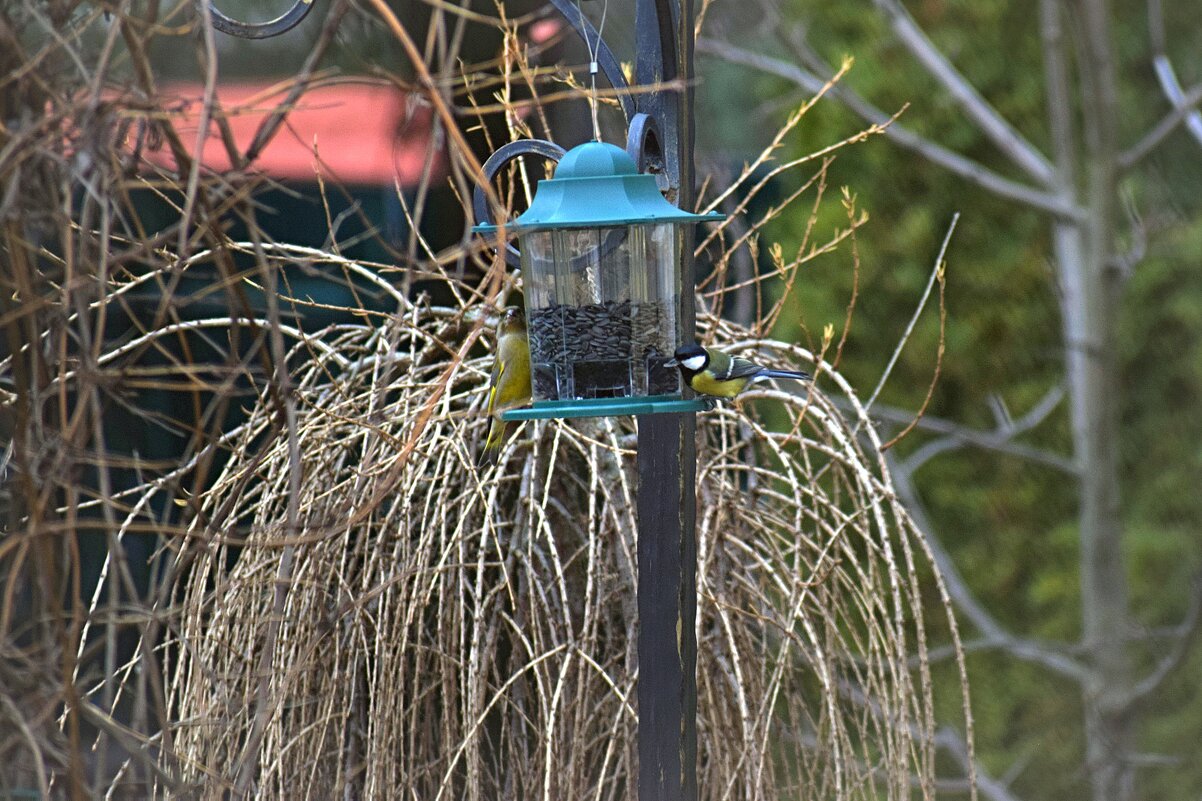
[597, 185]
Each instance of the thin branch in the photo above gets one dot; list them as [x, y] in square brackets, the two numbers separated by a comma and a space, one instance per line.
[1059, 101]
[937, 154]
[936, 275]
[1166, 75]
[1000, 439]
[303, 81]
[991, 788]
[983, 644]
[940, 273]
[209, 49]
[284, 390]
[1007, 138]
[1127, 261]
[1187, 633]
[1184, 110]
[993, 631]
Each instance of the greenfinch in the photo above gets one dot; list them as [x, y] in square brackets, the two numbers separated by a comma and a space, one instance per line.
[510, 382]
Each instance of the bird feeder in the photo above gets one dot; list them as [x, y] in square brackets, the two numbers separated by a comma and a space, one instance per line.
[600, 257]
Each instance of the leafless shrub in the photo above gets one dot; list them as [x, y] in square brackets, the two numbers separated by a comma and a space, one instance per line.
[460, 635]
[333, 601]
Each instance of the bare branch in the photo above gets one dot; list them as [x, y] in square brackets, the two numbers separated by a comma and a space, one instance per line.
[1184, 110]
[993, 631]
[1000, 411]
[1059, 100]
[1001, 439]
[1187, 632]
[937, 154]
[991, 788]
[978, 109]
[936, 274]
[1166, 75]
[1126, 262]
[301, 83]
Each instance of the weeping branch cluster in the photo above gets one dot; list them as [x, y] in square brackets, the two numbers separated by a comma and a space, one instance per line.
[319, 595]
[471, 635]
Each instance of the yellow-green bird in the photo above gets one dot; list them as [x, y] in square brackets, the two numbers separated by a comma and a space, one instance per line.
[712, 372]
[510, 383]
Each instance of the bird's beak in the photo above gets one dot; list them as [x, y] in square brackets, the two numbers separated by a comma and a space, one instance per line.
[671, 363]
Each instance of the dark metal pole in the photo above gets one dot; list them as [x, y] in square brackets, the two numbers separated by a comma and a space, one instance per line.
[667, 590]
[667, 463]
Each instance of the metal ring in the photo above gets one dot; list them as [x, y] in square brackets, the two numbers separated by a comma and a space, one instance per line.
[496, 162]
[551, 152]
[260, 30]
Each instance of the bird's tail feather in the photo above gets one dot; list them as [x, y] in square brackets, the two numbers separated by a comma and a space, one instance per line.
[796, 375]
[492, 443]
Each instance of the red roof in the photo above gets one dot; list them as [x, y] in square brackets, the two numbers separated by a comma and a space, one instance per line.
[351, 132]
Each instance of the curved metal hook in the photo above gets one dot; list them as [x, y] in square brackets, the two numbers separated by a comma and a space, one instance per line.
[260, 30]
[496, 162]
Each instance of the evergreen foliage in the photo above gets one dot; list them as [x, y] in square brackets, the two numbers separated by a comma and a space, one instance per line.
[1010, 524]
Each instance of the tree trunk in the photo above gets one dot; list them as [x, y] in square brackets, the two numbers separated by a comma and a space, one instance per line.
[1093, 388]
[1089, 286]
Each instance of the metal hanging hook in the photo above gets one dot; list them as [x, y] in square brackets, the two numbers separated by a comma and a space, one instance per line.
[260, 30]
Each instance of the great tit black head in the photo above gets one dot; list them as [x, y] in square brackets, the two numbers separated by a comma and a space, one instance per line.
[692, 357]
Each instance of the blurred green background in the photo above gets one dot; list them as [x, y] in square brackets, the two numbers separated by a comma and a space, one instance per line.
[1009, 524]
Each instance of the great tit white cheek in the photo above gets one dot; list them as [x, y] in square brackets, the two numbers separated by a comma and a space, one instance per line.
[694, 363]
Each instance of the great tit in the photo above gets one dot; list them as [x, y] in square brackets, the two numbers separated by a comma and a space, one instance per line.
[712, 372]
[510, 382]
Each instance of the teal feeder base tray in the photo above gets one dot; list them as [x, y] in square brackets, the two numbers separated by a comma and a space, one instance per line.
[607, 407]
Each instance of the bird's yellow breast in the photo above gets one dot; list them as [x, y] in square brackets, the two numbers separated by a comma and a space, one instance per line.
[513, 385]
[722, 389]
